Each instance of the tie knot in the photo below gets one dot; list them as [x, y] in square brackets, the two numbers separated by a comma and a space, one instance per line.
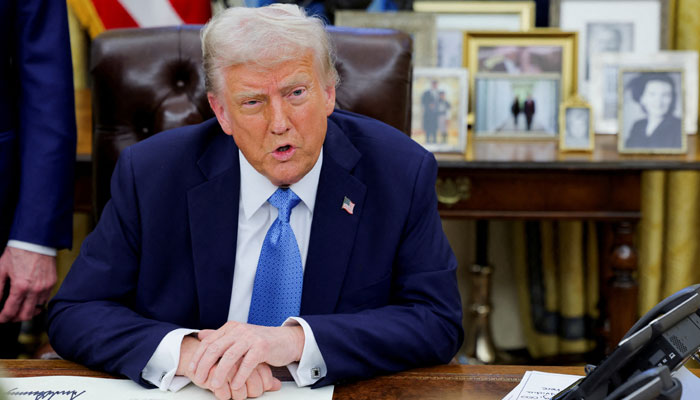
[284, 200]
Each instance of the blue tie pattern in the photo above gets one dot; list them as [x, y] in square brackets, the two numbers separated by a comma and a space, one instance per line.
[279, 277]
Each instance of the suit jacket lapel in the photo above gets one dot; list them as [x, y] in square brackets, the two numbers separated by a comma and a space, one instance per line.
[213, 217]
[333, 229]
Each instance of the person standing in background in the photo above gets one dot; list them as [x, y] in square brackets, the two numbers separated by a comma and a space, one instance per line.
[529, 110]
[515, 110]
[37, 157]
[429, 100]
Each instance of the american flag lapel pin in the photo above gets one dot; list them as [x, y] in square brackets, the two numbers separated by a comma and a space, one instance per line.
[348, 205]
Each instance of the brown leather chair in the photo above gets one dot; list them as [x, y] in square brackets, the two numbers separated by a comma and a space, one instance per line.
[149, 80]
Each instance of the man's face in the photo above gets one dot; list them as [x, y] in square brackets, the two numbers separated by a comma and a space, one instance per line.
[277, 116]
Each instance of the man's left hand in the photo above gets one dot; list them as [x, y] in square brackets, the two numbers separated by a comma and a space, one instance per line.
[32, 276]
[239, 348]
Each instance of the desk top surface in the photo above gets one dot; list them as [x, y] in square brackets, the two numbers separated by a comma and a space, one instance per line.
[442, 382]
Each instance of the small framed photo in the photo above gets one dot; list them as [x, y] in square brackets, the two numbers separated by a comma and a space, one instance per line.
[439, 106]
[542, 51]
[576, 125]
[421, 26]
[605, 69]
[651, 111]
[453, 18]
[516, 106]
[615, 26]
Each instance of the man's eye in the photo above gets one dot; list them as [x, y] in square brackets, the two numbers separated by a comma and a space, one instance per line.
[298, 92]
[250, 102]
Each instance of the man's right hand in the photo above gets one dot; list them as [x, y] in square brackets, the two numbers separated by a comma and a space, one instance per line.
[259, 382]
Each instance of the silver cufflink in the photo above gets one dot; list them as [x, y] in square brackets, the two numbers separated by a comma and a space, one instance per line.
[315, 373]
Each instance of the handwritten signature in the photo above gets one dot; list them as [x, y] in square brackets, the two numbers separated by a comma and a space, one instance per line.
[45, 394]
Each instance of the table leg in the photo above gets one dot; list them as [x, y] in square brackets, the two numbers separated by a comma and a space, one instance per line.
[620, 269]
[479, 340]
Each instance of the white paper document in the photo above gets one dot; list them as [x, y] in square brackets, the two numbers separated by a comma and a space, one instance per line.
[82, 388]
[537, 385]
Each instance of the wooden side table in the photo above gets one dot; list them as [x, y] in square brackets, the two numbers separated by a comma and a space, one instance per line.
[518, 179]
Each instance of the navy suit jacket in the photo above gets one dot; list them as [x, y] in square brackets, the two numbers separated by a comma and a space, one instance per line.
[37, 123]
[380, 291]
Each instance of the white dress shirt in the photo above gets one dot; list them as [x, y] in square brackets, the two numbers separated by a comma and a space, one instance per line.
[255, 216]
[45, 250]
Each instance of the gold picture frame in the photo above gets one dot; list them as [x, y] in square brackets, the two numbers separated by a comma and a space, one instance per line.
[453, 18]
[668, 135]
[556, 50]
[525, 10]
[576, 125]
[420, 26]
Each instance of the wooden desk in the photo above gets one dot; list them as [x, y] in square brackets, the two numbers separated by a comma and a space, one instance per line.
[517, 179]
[440, 383]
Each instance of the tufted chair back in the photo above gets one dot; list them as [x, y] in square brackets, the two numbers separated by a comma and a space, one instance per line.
[149, 80]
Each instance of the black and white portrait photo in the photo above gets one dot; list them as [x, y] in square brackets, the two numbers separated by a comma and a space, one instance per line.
[577, 132]
[652, 112]
[517, 106]
[608, 37]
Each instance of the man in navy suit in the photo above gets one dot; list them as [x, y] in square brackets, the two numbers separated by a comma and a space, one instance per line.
[184, 241]
[37, 155]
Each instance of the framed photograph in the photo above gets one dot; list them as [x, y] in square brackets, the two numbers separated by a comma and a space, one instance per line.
[604, 78]
[524, 53]
[576, 125]
[651, 111]
[516, 106]
[453, 18]
[421, 27]
[612, 26]
[439, 117]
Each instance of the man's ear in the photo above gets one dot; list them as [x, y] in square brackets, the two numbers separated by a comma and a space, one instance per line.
[221, 114]
[330, 99]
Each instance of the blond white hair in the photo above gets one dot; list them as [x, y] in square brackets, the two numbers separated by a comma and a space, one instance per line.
[265, 36]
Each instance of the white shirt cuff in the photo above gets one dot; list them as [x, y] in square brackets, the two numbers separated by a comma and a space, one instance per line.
[160, 369]
[18, 244]
[311, 367]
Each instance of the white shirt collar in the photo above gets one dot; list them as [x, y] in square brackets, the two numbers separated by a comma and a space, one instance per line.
[256, 188]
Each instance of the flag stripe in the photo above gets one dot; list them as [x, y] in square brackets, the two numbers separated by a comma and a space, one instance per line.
[152, 12]
[113, 15]
[192, 12]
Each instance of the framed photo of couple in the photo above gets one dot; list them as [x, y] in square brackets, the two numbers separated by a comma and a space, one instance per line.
[516, 106]
[439, 117]
[651, 111]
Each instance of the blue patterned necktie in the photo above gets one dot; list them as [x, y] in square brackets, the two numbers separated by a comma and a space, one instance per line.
[279, 277]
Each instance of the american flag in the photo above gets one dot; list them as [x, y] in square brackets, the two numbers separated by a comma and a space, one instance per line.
[99, 15]
[348, 205]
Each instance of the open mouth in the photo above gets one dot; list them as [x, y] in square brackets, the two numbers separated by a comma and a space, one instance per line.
[282, 149]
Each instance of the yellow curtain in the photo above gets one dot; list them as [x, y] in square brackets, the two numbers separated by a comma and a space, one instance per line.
[668, 231]
[556, 264]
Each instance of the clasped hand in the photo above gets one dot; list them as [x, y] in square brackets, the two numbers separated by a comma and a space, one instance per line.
[234, 361]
